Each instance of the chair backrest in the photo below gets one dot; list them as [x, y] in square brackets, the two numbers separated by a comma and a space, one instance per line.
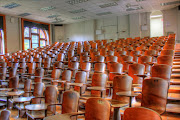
[5, 115]
[27, 87]
[167, 52]
[39, 74]
[162, 71]
[115, 68]
[167, 60]
[66, 75]
[122, 83]
[136, 69]
[56, 73]
[99, 58]
[12, 72]
[99, 67]
[38, 91]
[97, 109]
[154, 94]
[14, 82]
[111, 58]
[81, 77]
[140, 113]
[70, 102]
[3, 73]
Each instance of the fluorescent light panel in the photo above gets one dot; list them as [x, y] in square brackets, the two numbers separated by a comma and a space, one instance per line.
[104, 13]
[108, 5]
[48, 8]
[78, 18]
[53, 16]
[11, 5]
[134, 8]
[72, 2]
[170, 3]
[140, 0]
[24, 14]
[78, 11]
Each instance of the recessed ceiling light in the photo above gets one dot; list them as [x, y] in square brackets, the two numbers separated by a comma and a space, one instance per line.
[24, 14]
[108, 5]
[77, 18]
[104, 13]
[78, 11]
[170, 3]
[48, 8]
[72, 2]
[11, 5]
[53, 16]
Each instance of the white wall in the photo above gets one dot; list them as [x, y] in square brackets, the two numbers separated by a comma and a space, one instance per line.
[80, 31]
[178, 33]
[13, 34]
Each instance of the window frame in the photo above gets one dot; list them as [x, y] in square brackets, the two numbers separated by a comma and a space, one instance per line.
[4, 31]
[30, 33]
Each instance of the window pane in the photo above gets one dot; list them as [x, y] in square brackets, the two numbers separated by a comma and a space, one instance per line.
[42, 43]
[35, 39]
[47, 35]
[26, 32]
[42, 35]
[26, 44]
[34, 30]
[35, 45]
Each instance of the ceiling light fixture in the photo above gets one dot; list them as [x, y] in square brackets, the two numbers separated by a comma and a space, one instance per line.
[140, 0]
[78, 18]
[48, 8]
[53, 16]
[24, 14]
[78, 11]
[11, 5]
[72, 2]
[170, 3]
[108, 5]
[155, 16]
[104, 13]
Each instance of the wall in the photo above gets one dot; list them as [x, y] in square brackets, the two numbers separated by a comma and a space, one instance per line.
[178, 33]
[13, 34]
[80, 31]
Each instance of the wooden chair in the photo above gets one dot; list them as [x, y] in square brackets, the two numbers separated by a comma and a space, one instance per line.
[74, 68]
[126, 61]
[167, 60]
[115, 68]
[139, 113]
[99, 67]
[5, 115]
[154, 94]
[167, 52]
[147, 61]
[14, 83]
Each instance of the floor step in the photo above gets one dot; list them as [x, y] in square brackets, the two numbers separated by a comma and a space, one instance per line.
[176, 60]
[176, 67]
[175, 76]
[173, 108]
[174, 89]
[175, 81]
[176, 63]
[173, 97]
[175, 70]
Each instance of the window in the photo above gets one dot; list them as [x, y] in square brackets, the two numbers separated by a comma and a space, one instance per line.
[35, 34]
[1, 42]
[3, 45]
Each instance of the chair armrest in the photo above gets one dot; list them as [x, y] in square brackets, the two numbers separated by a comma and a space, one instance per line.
[75, 84]
[97, 88]
[141, 75]
[76, 113]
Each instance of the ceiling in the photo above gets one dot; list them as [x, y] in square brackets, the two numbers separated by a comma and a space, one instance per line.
[70, 11]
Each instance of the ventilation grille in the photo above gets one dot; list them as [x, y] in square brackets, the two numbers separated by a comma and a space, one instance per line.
[48, 8]
[24, 14]
[11, 5]
[72, 2]
[78, 11]
[170, 3]
[134, 8]
[104, 13]
[53, 16]
[78, 18]
[108, 5]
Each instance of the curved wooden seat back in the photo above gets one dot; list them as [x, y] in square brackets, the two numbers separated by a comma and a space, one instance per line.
[154, 47]
[84, 59]
[5, 115]
[154, 94]
[27, 87]
[70, 53]
[51, 94]
[103, 51]
[111, 58]
[22, 67]
[110, 52]
[99, 67]
[3, 73]
[56, 73]
[39, 74]
[161, 71]
[136, 69]
[74, 67]
[14, 83]
[115, 68]
[47, 63]
[97, 109]
[93, 55]
[124, 60]
[122, 53]
[38, 62]
[38, 92]
[122, 83]
[98, 80]
[167, 52]
[3, 64]
[169, 47]
[144, 60]
[139, 113]
[70, 102]
[31, 67]
[81, 77]
[60, 57]
[135, 55]
[12, 72]
[167, 60]
[99, 59]
[66, 75]
[58, 65]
